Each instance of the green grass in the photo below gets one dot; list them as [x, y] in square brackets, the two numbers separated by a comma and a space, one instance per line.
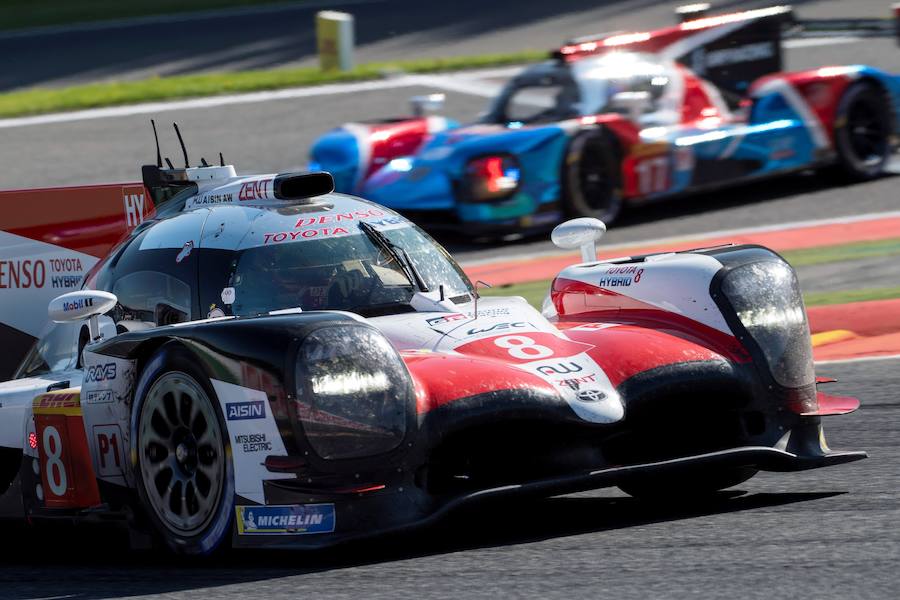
[18, 14]
[39, 100]
[535, 291]
[843, 297]
[855, 251]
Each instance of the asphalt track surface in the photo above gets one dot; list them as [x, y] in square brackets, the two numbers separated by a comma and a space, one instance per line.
[828, 533]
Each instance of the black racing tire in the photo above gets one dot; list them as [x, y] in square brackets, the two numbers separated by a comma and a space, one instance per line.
[182, 457]
[694, 485]
[592, 175]
[862, 131]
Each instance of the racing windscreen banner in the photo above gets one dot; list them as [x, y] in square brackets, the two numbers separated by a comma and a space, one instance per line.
[49, 240]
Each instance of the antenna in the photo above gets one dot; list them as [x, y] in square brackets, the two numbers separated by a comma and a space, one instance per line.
[187, 164]
[156, 137]
[169, 162]
[203, 162]
[221, 160]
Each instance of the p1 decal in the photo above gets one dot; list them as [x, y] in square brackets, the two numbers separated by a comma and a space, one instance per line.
[239, 411]
[108, 440]
[295, 519]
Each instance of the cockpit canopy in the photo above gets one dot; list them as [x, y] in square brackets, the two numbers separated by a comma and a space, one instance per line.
[555, 91]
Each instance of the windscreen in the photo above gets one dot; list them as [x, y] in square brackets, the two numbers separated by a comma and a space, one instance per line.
[347, 272]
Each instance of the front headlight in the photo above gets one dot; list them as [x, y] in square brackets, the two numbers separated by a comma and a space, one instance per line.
[491, 178]
[353, 392]
[766, 298]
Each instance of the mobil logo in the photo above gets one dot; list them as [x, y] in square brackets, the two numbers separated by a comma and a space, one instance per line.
[239, 411]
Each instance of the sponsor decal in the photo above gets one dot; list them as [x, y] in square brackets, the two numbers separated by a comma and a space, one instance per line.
[64, 273]
[109, 450]
[444, 319]
[240, 411]
[575, 383]
[747, 53]
[105, 372]
[185, 251]
[133, 203]
[252, 442]
[304, 234]
[78, 304]
[22, 274]
[296, 519]
[499, 327]
[590, 395]
[254, 190]
[219, 198]
[340, 217]
[98, 397]
[489, 312]
[621, 277]
[228, 295]
[563, 368]
[56, 401]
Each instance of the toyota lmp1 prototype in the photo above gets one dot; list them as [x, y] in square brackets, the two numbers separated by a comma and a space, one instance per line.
[619, 119]
[266, 363]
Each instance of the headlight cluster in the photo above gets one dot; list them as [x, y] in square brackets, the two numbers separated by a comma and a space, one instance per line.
[766, 297]
[353, 392]
[491, 178]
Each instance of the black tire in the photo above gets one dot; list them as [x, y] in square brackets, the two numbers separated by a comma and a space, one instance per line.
[592, 177]
[862, 131]
[182, 450]
[687, 486]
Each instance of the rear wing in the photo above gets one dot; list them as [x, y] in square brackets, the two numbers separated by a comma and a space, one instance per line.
[49, 240]
[730, 50]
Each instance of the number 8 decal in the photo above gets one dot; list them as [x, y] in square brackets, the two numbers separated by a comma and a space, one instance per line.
[523, 347]
[56, 470]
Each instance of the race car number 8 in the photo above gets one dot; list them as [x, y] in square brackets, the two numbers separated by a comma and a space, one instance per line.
[523, 347]
[56, 470]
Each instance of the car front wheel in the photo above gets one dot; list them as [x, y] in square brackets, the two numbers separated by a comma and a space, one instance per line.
[184, 475]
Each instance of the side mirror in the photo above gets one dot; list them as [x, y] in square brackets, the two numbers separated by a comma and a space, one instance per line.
[632, 104]
[427, 104]
[81, 305]
[581, 233]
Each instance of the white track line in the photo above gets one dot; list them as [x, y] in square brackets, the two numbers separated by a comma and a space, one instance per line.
[841, 361]
[699, 237]
[823, 41]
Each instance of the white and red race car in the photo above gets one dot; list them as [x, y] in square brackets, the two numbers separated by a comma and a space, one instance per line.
[267, 363]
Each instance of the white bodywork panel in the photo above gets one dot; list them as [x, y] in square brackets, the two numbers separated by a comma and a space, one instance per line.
[677, 283]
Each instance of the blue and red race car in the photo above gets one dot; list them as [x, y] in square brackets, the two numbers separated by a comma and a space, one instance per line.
[620, 119]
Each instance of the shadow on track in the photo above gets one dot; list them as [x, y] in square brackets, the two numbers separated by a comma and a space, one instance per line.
[92, 563]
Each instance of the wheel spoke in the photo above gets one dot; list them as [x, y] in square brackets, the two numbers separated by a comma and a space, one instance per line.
[181, 453]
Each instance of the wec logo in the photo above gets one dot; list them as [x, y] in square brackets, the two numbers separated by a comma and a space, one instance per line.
[239, 411]
[105, 372]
